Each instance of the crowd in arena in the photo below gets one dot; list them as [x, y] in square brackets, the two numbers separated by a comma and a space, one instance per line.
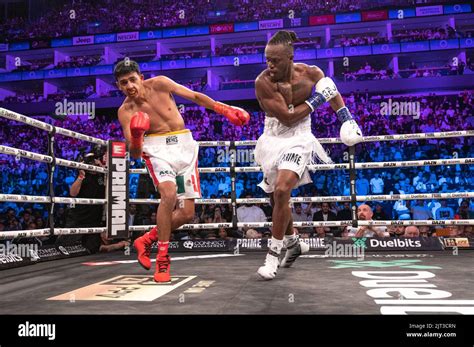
[85, 17]
[436, 113]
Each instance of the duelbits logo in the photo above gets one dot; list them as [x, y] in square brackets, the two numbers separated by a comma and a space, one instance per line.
[395, 243]
[359, 242]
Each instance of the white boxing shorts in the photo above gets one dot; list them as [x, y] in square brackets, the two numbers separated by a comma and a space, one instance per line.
[287, 148]
[173, 157]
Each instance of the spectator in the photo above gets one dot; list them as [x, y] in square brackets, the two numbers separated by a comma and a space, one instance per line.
[364, 212]
[325, 215]
[132, 214]
[320, 232]
[411, 231]
[250, 213]
[345, 213]
[376, 184]
[379, 213]
[362, 185]
[420, 211]
[253, 234]
[444, 212]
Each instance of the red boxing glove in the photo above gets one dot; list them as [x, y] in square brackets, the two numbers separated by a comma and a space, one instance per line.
[139, 124]
[235, 115]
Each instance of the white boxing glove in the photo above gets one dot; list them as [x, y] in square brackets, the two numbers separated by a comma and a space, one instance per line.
[327, 88]
[350, 132]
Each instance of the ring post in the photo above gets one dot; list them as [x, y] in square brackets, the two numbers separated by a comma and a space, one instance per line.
[233, 194]
[352, 178]
[51, 170]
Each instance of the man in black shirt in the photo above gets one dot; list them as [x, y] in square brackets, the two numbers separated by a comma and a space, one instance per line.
[325, 215]
[88, 186]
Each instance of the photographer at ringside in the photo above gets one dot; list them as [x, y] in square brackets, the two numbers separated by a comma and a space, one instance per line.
[90, 185]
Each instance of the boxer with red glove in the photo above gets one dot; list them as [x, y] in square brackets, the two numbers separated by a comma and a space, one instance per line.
[169, 151]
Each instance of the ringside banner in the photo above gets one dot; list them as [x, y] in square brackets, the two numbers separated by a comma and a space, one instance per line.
[117, 190]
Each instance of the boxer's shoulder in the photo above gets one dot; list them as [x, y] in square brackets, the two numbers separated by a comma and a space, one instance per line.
[126, 106]
[263, 82]
[314, 72]
[159, 83]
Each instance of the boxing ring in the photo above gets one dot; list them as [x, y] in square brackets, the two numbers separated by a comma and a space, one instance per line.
[211, 282]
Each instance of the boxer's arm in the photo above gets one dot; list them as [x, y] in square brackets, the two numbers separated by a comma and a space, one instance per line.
[163, 83]
[75, 188]
[272, 102]
[235, 114]
[350, 132]
[124, 120]
[317, 74]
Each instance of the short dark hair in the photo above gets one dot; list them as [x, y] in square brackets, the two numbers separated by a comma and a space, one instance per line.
[284, 37]
[126, 66]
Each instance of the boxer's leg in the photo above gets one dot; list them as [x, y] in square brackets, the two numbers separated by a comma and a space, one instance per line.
[164, 214]
[289, 229]
[281, 217]
[183, 215]
[164, 218]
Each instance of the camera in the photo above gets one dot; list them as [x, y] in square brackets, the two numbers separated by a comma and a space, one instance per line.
[96, 153]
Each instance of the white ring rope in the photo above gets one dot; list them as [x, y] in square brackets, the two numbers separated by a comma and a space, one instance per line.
[376, 138]
[78, 231]
[9, 235]
[341, 198]
[48, 127]
[321, 167]
[226, 201]
[48, 159]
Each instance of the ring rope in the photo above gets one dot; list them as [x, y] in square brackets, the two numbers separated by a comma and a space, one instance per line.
[48, 127]
[223, 201]
[375, 138]
[48, 159]
[321, 167]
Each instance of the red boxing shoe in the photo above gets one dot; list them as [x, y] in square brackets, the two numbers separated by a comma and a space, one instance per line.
[162, 273]
[143, 247]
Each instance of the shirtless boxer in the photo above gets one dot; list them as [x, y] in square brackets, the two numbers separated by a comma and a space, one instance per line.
[153, 126]
[285, 92]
